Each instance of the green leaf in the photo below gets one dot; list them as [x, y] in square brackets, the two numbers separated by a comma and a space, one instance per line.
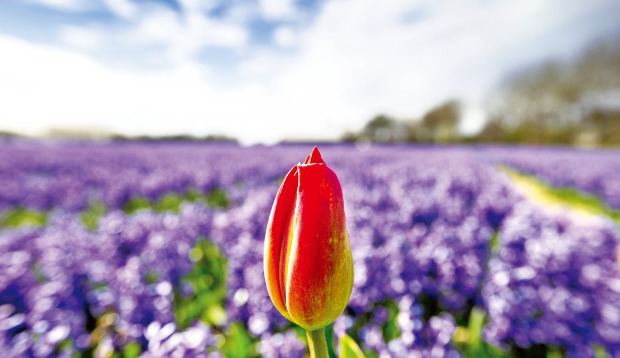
[96, 210]
[208, 282]
[136, 204]
[170, 202]
[151, 277]
[476, 324]
[23, 217]
[217, 198]
[192, 195]
[494, 242]
[238, 343]
[599, 351]
[390, 328]
[216, 315]
[131, 350]
[554, 353]
[349, 348]
[469, 339]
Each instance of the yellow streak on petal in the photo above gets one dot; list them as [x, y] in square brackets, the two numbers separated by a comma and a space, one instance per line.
[291, 232]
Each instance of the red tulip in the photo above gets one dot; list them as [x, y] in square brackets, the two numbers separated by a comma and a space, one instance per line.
[308, 265]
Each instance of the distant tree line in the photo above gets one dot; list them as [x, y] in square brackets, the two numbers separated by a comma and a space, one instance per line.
[560, 104]
[81, 135]
[439, 125]
[176, 138]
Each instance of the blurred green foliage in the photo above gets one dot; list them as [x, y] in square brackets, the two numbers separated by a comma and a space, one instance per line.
[136, 204]
[469, 339]
[131, 350]
[389, 328]
[21, 217]
[217, 198]
[208, 282]
[238, 343]
[91, 216]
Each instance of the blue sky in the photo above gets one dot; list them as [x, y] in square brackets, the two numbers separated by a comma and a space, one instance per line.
[271, 69]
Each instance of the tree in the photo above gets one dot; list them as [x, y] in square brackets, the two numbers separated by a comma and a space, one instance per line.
[441, 123]
[384, 129]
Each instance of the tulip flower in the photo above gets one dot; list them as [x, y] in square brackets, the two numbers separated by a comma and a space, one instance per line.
[308, 264]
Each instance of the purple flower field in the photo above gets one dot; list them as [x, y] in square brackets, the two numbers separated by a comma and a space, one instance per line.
[155, 249]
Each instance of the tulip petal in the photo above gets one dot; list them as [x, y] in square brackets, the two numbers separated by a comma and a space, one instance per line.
[314, 157]
[277, 240]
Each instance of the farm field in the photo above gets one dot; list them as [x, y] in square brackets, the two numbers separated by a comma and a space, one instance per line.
[155, 249]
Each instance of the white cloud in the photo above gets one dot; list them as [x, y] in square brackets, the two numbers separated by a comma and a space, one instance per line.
[81, 38]
[183, 35]
[284, 36]
[243, 13]
[215, 32]
[161, 26]
[197, 5]
[277, 9]
[66, 5]
[45, 86]
[122, 8]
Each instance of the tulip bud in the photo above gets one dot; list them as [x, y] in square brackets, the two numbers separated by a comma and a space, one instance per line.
[308, 264]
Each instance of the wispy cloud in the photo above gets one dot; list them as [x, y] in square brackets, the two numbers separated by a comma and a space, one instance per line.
[122, 8]
[277, 9]
[67, 5]
[184, 37]
[81, 37]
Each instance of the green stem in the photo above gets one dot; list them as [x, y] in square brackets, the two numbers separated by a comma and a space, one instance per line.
[317, 343]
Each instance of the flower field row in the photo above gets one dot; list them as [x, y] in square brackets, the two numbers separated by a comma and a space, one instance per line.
[156, 250]
[591, 171]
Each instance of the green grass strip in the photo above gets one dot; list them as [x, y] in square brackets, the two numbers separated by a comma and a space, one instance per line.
[568, 197]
